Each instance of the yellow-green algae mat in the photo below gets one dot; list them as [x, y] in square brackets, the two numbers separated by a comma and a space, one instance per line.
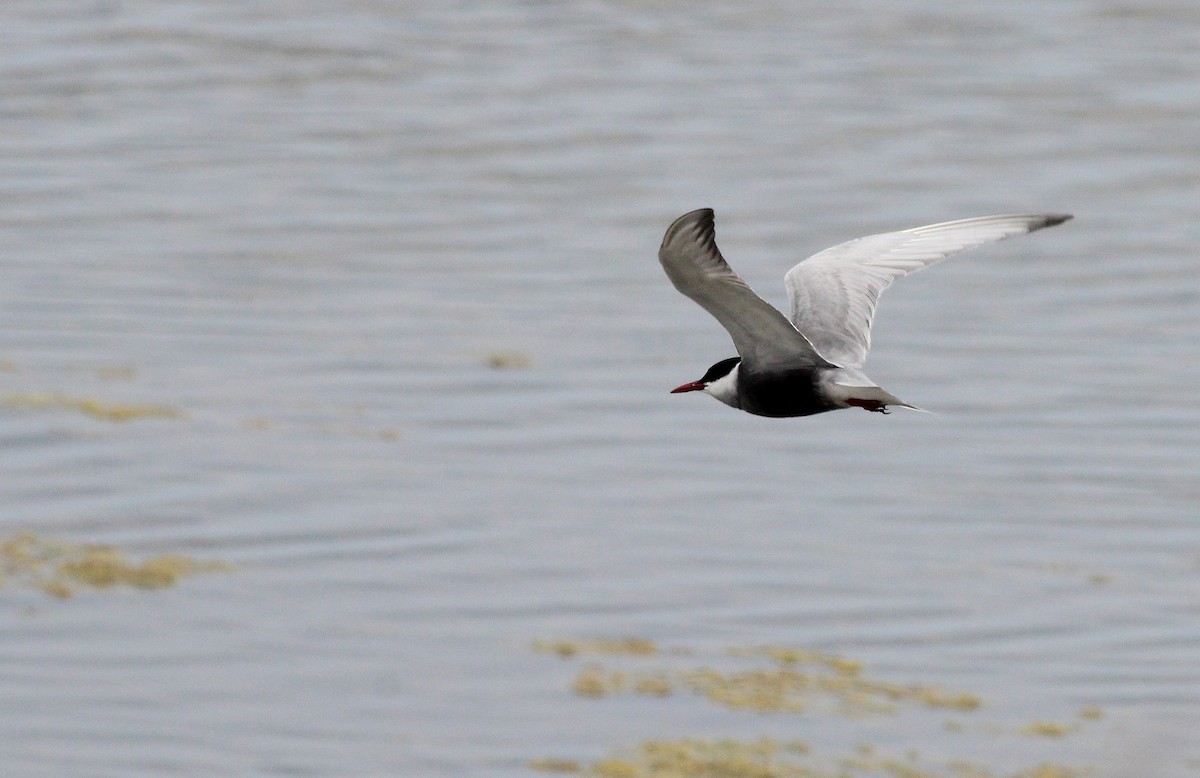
[60, 568]
[793, 681]
[89, 406]
[102, 410]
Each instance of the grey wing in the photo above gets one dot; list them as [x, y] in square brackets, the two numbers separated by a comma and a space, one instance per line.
[834, 292]
[762, 335]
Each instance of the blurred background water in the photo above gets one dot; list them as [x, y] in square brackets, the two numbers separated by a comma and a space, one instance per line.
[391, 267]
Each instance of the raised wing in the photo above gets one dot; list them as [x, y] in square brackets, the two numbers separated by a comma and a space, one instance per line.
[834, 292]
[762, 335]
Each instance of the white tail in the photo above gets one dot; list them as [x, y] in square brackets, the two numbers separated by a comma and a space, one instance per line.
[853, 389]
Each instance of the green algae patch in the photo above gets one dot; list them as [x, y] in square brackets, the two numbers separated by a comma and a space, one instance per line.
[1047, 729]
[88, 406]
[769, 680]
[787, 689]
[1052, 771]
[771, 758]
[117, 373]
[607, 646]
[772, 680]
[797, 656]
[60, 568]
[508, 360]
[793, 681]
[104, 567]
[594, 680]
[764, 758]
[555, 765]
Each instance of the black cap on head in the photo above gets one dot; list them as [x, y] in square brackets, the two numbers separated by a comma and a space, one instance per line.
[720, 370]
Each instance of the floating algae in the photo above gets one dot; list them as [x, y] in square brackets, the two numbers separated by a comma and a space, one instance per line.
[1053, 729]
[91, 407]
[1051, 771]
[770, 758]
[306, 417]
[793, 656]
[786, 689]
[595, 681]
[777, 680]
[58, 568]
[569, 648]
[765, 758]
[509, 360]
[556, 765]
[794, 681]
[1047, 729]
[117, 373]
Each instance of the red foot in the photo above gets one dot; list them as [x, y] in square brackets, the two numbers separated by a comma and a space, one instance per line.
[875, 406]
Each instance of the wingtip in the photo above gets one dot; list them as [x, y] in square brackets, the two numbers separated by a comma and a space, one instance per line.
[703, 219]
[1052, 219]
[698, 215]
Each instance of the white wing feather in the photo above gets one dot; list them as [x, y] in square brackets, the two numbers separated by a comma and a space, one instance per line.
[762, 335]
[834, 292]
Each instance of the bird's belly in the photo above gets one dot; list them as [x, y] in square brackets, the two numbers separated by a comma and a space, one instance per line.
[783, 395]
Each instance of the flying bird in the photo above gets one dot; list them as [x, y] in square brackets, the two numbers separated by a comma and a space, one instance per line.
[812, 362]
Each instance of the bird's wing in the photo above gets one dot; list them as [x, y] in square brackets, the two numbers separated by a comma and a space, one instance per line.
[834, 292]
[762, 335]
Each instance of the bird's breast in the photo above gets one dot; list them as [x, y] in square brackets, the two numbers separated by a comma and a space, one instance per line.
[782, 393]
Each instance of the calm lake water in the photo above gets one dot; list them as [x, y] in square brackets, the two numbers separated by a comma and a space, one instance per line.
[388, 270]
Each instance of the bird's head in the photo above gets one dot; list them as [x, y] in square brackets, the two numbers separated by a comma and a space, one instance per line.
[720, 381]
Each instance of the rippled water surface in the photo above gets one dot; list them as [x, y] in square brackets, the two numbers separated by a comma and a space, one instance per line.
[387, 273]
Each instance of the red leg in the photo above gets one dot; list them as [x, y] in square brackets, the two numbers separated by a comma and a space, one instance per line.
[875, 406]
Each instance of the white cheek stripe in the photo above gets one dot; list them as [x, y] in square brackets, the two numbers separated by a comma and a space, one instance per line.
[725, 388]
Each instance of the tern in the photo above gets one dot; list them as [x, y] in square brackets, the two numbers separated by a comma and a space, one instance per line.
[813, 362]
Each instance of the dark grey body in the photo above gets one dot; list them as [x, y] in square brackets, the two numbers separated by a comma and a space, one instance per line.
[781, 394]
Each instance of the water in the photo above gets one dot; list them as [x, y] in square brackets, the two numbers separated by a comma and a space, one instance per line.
[307, 228]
